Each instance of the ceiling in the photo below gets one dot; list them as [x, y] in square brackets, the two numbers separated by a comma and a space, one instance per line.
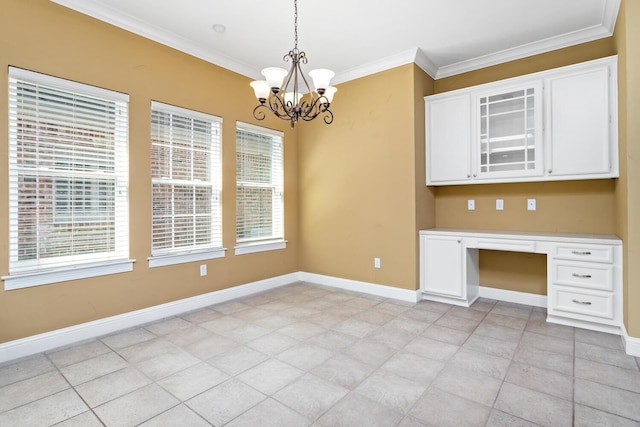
[357, 38]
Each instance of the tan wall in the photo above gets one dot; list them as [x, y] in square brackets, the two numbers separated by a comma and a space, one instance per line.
[626, 36]
[42, 36]
[357, 183]
[569, 206]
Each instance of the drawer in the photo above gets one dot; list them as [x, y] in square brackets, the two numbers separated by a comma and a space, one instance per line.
[505, 245]
[589, 253]
[586, 303]
[583, 275]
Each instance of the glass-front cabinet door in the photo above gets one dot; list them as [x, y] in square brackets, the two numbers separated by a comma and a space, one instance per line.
[509, 133]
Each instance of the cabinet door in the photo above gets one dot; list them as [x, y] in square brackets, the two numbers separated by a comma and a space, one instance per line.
[442, 266]
[509, 132]
[579, 124]
[448, 130]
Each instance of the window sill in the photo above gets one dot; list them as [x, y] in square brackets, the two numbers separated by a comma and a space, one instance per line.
[253, 247]
[46, 277]
[181, 258]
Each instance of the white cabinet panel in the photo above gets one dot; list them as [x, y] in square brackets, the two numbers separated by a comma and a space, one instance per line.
[448, 130]
[579, 117]
[442, 260]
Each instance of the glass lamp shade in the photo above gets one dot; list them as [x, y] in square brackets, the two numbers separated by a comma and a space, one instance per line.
[288, 98]
[261, 88]
[275, 76]
[321, 78]
[329, 92]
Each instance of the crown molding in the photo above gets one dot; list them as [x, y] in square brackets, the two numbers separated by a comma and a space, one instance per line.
[142, 28]
[383, 64]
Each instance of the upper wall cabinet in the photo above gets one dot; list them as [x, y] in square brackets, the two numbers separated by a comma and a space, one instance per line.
[559, 124]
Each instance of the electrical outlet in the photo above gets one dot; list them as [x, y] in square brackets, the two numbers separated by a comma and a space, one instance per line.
[376, 262]
[203, 270]
[471, 204]
[499, 204]
[531, 204]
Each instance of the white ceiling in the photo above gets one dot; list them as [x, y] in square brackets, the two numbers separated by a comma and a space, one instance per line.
[356, 37]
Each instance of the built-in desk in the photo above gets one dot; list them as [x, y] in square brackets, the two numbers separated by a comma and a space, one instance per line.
[584, 272]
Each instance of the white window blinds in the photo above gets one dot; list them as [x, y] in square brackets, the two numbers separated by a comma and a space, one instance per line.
[259, 186]
[68, 173]
[186, 180]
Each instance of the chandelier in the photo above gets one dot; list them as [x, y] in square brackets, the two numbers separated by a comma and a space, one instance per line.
[281, 93]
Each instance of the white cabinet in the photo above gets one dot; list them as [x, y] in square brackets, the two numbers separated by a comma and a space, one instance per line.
[448, 124]
[443, 266]
[580, 135]
[559, 124]
[509, 132]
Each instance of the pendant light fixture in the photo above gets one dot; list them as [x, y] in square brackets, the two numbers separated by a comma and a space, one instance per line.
[281, 94]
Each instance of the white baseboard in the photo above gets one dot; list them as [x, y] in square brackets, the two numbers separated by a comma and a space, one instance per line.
[631, 344]
[513, 296]
[364, 287]
[49, 340]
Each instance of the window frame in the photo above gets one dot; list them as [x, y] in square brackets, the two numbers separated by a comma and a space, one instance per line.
[276, 240]
[64, 267]
[178, 255]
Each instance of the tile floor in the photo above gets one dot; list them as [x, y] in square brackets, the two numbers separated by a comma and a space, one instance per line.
[307, 355]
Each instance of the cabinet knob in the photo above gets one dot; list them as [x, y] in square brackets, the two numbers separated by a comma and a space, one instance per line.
[475, 175]
[550, 171]
[468, 175]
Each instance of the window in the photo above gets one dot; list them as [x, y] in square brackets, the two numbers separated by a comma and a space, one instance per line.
[68, 178]
[259, 189]
[186, 185]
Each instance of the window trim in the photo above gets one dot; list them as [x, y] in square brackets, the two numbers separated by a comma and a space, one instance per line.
[173, 256]
[86, 266]
[268, 243]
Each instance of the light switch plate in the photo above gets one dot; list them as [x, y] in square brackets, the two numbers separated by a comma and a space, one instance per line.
[471, 205]
[499, 204]
[531, 204]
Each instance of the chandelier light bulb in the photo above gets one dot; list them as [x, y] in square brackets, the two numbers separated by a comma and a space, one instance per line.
[275, 76]
[321, 78]
[261, 89]
[329, 92]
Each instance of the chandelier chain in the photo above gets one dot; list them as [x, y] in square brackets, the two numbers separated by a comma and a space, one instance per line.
[295, 23]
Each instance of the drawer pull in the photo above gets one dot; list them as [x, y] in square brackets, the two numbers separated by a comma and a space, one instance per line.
[581, 302]
[581, 252]
[581, 276]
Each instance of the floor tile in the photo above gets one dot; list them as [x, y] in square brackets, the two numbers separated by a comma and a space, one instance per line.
[200, 316]
[210, 346]
[456, 322]
[393, 391]
[270, 376]
[512, 310]
[136, 407]
[487, 364]
[179, 415]
[310, 395]
[343, 371]
[542, 380]
[187, 336]
[435, 350]
[245, 333]
[45, 412]
[534, 406]
[18, 370]
[547, 343]
[411, 422]
[332, 340]
[442, 409]
[471, 385]
[501, 419]
[230, 307]
[166, 326]
[391, 336]
[493, 318]
[370, 352]
[599, 338]
[605, 355]
[305, 356]
[31, 389]
[562, 363]
[357, 410]
[444, 334]
[588, 417]
[269, 413]
[85, 419]
[375, 316]
[357, 328]
[499, 332]
[433, 306]
[224, 323]
[192, 381]
[231, 398]
[467, 313]
[608, 399]
[301, 330]
[77, 353]
[413, 367]
[127, 338]
[273, 343]
[492, 346]
[627, 379]
[173, 360]
[545, 328]
[237, 360]
[108, 387]
[93, 368]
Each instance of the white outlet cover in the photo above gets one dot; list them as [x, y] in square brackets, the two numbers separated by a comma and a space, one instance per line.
[471, 205]
[499, 204]
[531, 204]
